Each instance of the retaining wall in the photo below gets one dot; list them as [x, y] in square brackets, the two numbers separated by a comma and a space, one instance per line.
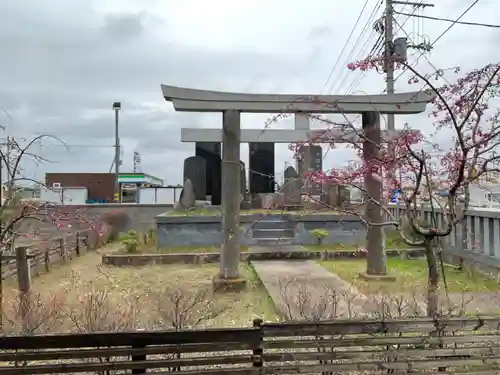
[141, 216]
[207, 230]
[121, 260]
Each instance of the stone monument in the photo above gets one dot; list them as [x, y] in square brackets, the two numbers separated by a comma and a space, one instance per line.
[195, 169]
[211, 152]
[187, 197]
[291, 188]
[344, 196]
[311, 160]
[332, 194]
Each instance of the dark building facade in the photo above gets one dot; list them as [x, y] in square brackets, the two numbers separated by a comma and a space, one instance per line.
[100, 186]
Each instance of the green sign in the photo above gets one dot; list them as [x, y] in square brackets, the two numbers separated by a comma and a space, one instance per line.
[131, 177]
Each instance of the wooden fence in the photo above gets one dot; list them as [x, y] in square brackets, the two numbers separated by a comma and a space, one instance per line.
[42, 255]
[430, 346]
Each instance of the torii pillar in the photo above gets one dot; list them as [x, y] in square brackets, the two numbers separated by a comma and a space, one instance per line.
[231, 175]
[232, 104]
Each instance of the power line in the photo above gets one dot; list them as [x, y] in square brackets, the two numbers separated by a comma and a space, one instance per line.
[415, 8]
[357, 80]
[377, 49]
[451, 20]
[441, 35]
[454, 23]
[428, 60]
[76, 145]
[349, 57]
[344, 47]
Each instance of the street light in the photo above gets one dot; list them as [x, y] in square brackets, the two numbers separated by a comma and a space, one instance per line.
[116, 107]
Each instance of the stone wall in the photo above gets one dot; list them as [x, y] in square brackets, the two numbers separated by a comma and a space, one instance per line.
[198, 230]
[142, 216]
[341, 229]
[207, 230]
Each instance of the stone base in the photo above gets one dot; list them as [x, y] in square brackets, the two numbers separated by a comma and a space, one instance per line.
[228, 285]
[364, 276]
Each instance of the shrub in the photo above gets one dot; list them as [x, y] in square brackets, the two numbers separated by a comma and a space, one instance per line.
[117, 221]
[320, 234]
[130, 240]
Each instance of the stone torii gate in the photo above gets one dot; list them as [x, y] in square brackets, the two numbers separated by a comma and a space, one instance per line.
[233, 104]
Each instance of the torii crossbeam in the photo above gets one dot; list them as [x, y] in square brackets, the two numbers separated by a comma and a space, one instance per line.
[193, 100]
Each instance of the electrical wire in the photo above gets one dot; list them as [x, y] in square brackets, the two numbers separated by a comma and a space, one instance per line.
[450, 20]
[77, 145]
[357, 80]
[426, 58]
[441, 35]
[344, 47]
[338, 83]
[376, 50]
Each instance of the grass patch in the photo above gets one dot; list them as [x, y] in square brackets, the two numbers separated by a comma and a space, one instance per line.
[393, 240]
[410, 275]
[266, 304]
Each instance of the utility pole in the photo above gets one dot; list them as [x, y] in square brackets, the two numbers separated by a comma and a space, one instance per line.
[137, 161]
[389, 62]
[8, 162]
[390, 58]
[117, 198]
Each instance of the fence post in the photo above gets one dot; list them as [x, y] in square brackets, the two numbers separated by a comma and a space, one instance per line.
[24, 283]
[67, 247]
[36, 263]
[258, 351]
[46, 260]
[23, 269]
[60, 244]
[139, 357]
[85, 240]
[77, 244]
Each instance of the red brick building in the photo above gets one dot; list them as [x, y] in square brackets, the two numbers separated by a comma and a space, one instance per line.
[100, 186]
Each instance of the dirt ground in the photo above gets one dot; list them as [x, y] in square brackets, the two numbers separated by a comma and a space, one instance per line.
[86, 296]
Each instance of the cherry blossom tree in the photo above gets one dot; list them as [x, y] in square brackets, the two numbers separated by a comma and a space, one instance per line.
[464, 112]
[27, 221]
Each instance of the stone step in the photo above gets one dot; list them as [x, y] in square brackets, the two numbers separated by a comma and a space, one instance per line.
[273, 233]
[272, 224]
[274, 241]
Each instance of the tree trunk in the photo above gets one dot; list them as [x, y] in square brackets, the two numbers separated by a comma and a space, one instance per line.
[1, 294]
[433, 279]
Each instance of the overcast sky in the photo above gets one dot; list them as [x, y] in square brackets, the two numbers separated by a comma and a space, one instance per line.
[64, 62]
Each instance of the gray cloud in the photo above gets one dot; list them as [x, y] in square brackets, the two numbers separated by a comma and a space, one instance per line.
[65, 62]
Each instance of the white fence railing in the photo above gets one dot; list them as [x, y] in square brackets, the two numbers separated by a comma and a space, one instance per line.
[480, 231]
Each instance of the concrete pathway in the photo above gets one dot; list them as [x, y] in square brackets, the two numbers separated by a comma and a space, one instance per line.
[305, 290]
